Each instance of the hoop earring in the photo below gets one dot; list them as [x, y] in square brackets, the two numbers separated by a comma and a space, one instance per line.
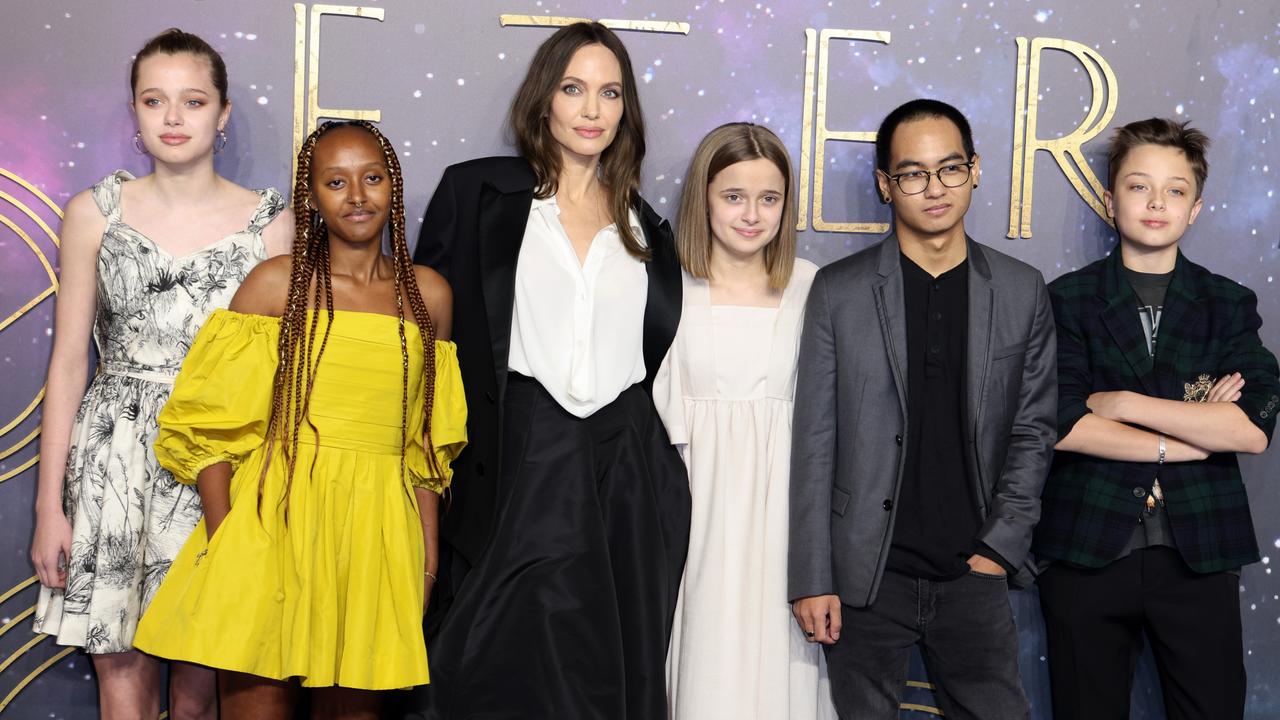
[138, 146]
[222, 135]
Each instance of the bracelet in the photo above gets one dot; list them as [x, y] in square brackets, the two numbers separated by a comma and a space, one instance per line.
[1160, 460]
[430, 574]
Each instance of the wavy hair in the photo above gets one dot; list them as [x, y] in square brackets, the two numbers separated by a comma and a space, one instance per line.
[620, 162]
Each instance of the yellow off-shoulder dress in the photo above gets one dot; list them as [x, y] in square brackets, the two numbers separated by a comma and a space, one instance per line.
[334, 595]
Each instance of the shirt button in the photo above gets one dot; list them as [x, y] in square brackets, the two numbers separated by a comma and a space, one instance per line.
[279, 596]
[935, 287]
[1139, 492]
[897, 439]
[887, 505]
[935, 349]
[937, 315]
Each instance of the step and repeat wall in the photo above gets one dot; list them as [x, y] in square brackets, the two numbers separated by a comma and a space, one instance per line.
[1043, 82]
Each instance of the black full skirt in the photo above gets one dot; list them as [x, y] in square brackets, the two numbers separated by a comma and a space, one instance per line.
[568, 612]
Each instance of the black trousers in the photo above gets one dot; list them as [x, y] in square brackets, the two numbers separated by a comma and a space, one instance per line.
[1095, 620]
[966, 634]
[568, 613]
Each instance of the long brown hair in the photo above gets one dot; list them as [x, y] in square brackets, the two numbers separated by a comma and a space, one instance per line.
[299, 356]
[620, 162]
[728, 144]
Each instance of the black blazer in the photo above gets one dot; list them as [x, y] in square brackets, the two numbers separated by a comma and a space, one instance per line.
[471, 234]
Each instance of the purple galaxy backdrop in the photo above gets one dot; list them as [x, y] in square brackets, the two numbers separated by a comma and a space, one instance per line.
[442, 75]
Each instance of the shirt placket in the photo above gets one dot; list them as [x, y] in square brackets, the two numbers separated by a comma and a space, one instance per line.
[582, 375]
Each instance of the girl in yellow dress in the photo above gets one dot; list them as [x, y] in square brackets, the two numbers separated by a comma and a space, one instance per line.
[300, 416]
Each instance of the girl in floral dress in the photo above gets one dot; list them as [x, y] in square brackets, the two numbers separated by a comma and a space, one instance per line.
[143, 262]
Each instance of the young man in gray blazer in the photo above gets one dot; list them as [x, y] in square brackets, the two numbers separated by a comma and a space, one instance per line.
[924, 428]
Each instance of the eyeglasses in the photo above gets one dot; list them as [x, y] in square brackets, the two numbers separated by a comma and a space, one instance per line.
[917, 181]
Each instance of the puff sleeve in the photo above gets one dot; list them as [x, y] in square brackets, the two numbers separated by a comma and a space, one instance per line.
[448, 424]
[221, 400]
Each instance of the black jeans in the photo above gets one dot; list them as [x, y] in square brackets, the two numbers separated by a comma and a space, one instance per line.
[1095, 620]
[966, 635]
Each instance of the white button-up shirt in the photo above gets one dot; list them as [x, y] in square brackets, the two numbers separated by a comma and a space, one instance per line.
[578, 328]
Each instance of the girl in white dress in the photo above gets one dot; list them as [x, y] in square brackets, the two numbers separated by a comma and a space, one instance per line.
[142, 264]
[725, 395]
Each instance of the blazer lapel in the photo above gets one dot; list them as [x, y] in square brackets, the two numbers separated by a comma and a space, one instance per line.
[1120, 316]
[503, 216]
[981, 322]
[665, 294]
[1183, 320]
[891, 310]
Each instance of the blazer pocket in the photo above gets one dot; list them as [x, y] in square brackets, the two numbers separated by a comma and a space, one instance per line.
[1017, 349]
[839, 500]
[1193, 363]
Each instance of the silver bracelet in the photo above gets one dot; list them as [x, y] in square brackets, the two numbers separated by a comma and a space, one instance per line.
[1160, 460]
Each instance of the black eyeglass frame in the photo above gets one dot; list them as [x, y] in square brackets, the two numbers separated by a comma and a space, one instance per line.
[930, 174]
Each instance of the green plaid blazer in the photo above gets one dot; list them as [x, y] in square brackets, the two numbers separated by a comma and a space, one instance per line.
[1209, 326]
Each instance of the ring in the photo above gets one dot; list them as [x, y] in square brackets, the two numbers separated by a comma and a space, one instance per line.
[808, 634]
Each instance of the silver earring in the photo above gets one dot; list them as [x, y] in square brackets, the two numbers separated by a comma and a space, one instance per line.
[138, 147]
[218, 148]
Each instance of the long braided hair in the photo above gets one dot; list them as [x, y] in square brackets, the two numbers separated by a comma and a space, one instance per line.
[299, 355]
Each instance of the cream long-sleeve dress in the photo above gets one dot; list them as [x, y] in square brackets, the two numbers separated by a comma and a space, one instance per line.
[725, 394]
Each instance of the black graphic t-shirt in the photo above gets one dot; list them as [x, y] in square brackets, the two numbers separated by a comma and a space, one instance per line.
[1153, 523]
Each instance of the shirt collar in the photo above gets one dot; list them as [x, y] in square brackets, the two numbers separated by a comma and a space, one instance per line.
[633, 219]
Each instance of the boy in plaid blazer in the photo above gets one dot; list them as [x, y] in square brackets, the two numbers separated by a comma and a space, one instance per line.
[1162, 379]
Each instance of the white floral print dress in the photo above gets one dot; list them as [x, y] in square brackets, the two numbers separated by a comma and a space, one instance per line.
[128, 516]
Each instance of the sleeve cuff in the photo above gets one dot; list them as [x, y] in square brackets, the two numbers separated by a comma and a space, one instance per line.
[995, 557]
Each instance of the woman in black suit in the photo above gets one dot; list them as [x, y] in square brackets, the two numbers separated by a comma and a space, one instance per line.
[566, 538]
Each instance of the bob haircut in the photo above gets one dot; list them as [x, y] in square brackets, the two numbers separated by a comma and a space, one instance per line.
[1166, 133]
[619, 163]
[728, 144]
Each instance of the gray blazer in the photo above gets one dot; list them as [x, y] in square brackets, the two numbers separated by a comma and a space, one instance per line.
[850, 420]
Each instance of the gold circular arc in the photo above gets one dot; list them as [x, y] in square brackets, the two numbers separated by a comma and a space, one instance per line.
[33, 190]
[49, 291]
[22, 651]
[34, 674]
[17, 588]
[19, 618]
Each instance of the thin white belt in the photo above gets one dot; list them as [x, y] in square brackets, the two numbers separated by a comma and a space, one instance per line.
[155, 376]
